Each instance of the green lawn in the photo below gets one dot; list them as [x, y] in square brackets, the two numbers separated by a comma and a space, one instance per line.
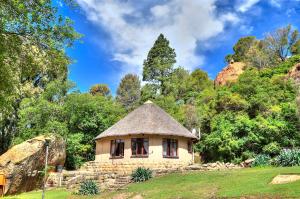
[221, 184]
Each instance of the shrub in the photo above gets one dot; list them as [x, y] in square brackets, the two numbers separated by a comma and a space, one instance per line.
[141, 174]
[88, 187]
[261, 160]
[272, 149]
[288, 157]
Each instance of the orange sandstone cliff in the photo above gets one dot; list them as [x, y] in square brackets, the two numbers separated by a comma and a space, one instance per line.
[230, 73]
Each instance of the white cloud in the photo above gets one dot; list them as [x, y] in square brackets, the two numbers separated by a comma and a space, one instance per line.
[276, 3]
[133, 29]
[245, 5]
[246, 29]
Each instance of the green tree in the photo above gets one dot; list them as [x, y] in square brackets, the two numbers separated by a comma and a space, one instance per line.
[33, 38]
[88, 116]
[159, 63]
[259, 56]
[283, 42]
[100, 89]
[44, 114]
[257, 114]
[241, 48]
[295, 49]
[149, 91]
[129, 91]
[177, 84]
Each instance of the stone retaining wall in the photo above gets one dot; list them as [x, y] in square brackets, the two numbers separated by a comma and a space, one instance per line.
[126, 168]
[109, 176]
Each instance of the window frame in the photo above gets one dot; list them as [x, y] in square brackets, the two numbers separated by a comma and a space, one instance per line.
[169, 141]
[112, 156]
[190, 146]
[139, 155]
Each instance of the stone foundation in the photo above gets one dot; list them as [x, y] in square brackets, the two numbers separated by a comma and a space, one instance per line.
[126, 168]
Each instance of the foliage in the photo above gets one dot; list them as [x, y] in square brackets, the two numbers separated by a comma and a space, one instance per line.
[149, 91]
[77, 117]
[283, 42]
[88, 115]
[159, 63]
[274, 48]
[272, 149]
[129, 91]
[33, 38]
[259, 56]
[141, 174]
[288, 157]
[100, 89]
[255, 115]
[88, 187]
[261, 160]
[240, 49]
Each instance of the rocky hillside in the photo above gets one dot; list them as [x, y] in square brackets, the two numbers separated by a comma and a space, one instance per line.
[230, 73]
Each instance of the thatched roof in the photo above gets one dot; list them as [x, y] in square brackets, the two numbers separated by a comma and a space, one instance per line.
[147, 119]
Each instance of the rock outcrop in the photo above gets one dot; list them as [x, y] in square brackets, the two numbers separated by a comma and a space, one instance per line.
[230, 73]
[294, 74]
[23, 164]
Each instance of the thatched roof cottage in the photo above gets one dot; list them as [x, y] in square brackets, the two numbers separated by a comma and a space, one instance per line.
[147, 136]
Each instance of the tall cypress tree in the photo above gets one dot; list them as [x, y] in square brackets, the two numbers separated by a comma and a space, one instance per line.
[159, 63]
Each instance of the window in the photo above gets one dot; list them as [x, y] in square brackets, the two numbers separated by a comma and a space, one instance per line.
[139, 147]
[170, 147]
[190, 146]
[117, 148]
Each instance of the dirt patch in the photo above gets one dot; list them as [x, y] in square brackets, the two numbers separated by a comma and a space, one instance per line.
[287, 178]
[128, 196]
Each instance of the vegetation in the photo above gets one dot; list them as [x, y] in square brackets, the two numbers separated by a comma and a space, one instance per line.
[253, 182]
[159, 63]
[261, 160]
[141, 174]
[255, 115]
[129, 91]
[288, 157]
[275, 48]
[77, 117]
[88, 187]
[33, 38]
[100, 89]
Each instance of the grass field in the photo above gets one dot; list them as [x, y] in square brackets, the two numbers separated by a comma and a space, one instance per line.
[213, 184]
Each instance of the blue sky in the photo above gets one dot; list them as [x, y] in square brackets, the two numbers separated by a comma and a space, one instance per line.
[119, 33]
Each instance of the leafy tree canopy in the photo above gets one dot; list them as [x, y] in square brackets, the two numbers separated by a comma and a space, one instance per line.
[129, 91]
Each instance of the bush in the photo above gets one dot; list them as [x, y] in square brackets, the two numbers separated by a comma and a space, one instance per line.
[288, 157]
[272, 149]
[261, 160]
[88, 187]
[141, 174]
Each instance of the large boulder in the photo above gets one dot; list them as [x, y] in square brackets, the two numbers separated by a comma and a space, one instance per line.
[230, 73]
[23, 163]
